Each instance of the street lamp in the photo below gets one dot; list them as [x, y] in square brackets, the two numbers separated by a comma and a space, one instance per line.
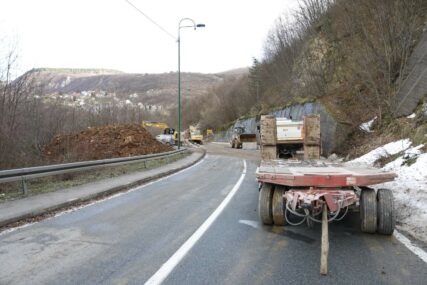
[195, 26]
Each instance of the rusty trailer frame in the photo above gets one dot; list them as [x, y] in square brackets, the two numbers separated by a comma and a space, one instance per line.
[320, 191]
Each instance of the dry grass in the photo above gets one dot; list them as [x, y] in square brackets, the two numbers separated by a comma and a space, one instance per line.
[11, 191]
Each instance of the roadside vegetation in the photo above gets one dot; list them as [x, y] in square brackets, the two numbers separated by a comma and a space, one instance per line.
[343, 53]
[27, 124]
[13, 190]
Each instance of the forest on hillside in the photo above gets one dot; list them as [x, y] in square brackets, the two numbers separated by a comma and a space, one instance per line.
[344, 53]
[27, 124]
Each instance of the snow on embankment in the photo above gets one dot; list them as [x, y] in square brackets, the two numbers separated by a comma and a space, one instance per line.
[385, 151]
[409, 188]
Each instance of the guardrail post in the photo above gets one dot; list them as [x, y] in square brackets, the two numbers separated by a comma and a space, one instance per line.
[24, 186]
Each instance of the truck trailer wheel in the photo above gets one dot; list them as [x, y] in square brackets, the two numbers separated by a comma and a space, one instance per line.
[368, 210]
[386, 221]
[264, 203]
[278, 206]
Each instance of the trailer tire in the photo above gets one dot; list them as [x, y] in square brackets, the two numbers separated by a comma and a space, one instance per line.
[386, 219]
[368, 210]
[278, 206]
[264, 203]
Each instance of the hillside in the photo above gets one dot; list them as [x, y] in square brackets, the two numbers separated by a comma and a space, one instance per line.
[355, 60]
[155, 91]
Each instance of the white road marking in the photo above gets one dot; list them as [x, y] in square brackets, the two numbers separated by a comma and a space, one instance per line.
[102, 200]
[176, 258]
[250, 223]
[406, 242]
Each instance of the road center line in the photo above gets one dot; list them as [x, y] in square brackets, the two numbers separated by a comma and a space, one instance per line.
[176, 258]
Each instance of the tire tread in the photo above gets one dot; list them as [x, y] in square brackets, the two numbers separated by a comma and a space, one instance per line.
[278, 209]
[264, 203]
[386, 219]
[368, 210]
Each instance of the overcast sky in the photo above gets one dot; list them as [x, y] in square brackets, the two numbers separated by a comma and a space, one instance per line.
[112, 34]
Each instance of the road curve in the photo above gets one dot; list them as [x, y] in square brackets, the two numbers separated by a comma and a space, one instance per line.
[126, 239]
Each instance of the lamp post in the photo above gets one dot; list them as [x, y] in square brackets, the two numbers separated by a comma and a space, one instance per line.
[180, 26]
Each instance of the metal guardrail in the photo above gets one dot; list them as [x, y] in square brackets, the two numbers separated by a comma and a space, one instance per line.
[23, 174]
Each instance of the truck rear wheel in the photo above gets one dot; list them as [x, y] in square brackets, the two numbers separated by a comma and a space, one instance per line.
[368, 210]
[278, 206]
[386, 220]
[264, 203]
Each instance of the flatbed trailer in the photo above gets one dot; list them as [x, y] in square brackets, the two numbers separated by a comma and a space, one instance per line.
[296, 192]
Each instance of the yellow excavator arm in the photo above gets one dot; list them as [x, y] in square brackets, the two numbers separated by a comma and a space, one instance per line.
[159, 125]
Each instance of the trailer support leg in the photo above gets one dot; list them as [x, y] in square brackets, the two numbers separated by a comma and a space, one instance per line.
[325, 243]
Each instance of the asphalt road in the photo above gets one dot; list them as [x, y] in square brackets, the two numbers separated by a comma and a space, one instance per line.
[126, 239]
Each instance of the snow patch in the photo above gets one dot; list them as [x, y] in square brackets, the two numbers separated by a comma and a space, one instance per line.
[410, 186]
[367, 125]
[411, 116]
[385, 151]
[410, 194]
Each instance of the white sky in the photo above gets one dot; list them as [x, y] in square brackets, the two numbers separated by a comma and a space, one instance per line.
[112, 34]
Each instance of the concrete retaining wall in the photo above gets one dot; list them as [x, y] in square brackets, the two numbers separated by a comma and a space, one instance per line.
[332, 132]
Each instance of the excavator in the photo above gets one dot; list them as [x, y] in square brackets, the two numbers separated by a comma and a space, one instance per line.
[168, 135]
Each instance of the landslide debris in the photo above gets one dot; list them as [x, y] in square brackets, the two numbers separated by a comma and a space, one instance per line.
[103, 142]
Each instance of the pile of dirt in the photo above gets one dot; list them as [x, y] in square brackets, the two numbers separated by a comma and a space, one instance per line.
[103, 142]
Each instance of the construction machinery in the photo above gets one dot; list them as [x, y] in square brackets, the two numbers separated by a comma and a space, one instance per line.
[209, 134]
[294, 192]
[195, 135]
[168, 135]
[158, 125]
[240, 137]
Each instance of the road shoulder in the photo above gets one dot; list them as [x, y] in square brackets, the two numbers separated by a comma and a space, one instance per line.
[16, 211]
